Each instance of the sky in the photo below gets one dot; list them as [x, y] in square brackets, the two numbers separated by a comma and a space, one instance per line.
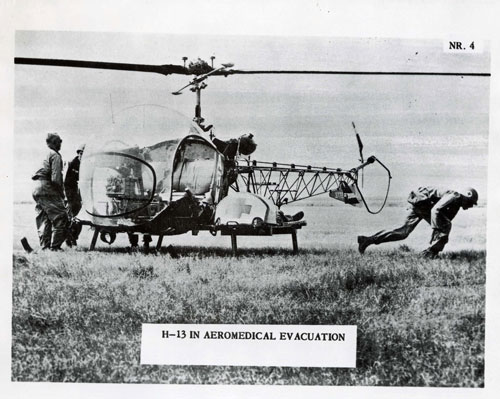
[429, 130]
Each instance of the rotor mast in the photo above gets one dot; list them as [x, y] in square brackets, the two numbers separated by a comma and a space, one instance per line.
[197, 88]
[197, 85]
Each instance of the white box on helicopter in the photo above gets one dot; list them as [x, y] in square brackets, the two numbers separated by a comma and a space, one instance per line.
[246, 209]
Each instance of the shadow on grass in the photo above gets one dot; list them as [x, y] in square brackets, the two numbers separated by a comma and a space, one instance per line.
[202, 252]
[465, 255]
[403, 252]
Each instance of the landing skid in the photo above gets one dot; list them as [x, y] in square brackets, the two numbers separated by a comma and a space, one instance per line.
[234, 231]
[238, 230]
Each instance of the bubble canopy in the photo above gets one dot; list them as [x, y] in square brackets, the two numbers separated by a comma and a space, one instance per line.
[130, 173]
[142, 126]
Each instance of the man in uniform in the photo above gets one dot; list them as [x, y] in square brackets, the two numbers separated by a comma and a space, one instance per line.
[437, 207]
[71, 183]
[48, 193]
[244, 145]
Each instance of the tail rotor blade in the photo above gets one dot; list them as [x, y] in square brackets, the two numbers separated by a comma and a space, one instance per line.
[360, 147]
[360, 143]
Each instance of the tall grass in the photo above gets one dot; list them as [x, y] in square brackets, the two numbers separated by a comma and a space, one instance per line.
[77, 315]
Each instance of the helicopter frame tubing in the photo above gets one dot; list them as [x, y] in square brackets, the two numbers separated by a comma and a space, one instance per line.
[286, 183]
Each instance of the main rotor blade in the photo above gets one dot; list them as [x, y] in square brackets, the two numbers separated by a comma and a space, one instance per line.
[161, 69]
[309, 72]
[179, 69]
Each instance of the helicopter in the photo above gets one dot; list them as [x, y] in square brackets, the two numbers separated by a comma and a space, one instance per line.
[198, 182]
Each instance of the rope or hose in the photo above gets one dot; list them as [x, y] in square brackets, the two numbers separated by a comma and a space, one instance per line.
[386, 194]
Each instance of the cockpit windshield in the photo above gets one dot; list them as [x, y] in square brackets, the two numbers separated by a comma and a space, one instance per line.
[118, 184]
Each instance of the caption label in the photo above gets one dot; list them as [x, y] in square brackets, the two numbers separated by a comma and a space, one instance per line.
[249, 345]
[463, 46]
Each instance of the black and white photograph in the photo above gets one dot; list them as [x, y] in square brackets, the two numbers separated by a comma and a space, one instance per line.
[251, 210]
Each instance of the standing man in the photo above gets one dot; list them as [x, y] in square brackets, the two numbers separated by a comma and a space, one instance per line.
[48, 193]
[437, 207]
[71, 183]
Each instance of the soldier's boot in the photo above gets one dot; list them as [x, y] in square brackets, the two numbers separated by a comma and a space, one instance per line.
[433, 251]
[298, 216]
[363, 243]
[75, 228]
[133, 240]
[146, 240]
[429, 253]
[26, 245]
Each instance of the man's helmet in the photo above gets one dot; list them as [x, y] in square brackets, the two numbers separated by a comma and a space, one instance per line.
[471, 195]
[247, 144]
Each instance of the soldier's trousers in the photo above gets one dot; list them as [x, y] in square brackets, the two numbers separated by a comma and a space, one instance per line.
[74, 202]
[413, 218]
[51, 221]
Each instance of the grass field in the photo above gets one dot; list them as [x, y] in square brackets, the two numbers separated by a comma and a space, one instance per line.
[77, 315]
